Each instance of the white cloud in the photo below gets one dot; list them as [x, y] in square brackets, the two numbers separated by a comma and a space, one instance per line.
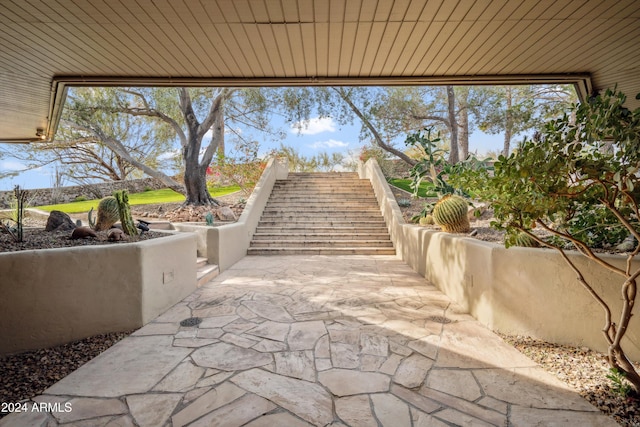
[168, 155]
[331, 143]
[12, 165]
[314, 126]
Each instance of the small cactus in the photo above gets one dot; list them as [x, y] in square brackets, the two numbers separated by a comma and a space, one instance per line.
[427, 220]
[450, 213]
[526, 241]
[108, 213]
[404, 203]
[122, 199]
[92, 222]
[209, 218]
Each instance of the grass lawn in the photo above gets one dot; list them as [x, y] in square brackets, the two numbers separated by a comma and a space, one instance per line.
[166, 195]
[426, 188]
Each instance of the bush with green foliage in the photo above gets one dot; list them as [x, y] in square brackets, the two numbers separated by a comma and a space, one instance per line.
[432, 166]
[579, 181]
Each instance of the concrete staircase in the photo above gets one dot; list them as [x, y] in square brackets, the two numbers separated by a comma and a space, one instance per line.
[322, 213]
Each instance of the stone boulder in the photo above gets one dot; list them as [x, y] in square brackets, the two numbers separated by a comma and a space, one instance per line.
[116, 235]
[83, 233]
[59, 221]
[225, 213]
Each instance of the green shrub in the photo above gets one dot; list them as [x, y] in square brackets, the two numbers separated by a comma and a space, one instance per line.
[579, 181]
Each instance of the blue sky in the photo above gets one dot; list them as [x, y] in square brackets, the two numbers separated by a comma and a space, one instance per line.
[316, 136]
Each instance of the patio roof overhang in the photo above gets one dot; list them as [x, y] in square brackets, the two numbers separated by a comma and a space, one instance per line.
[47, 46]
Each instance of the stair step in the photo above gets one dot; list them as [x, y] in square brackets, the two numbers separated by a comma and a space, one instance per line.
[329, 186]
[315, 197]
[335, 210]
[322, 243]
[318, 216]
[315, 230]
[296, 222]
[275, 203]
[321, 236]
[206, 273]
[321, 251]
[201, 261]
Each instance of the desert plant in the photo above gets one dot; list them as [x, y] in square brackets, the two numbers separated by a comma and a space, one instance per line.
[432, 166]
[620, 385]
[450, 213]
[57, 183]
[122, 199]
[404, 203]
[587, 160]
[17, 216]
[426, 220]
[524, 240]
[108, 213]
[208, 218]
[90, 220]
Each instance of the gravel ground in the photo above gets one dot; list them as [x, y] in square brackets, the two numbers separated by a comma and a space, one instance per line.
[25, 375]
[586, 372]
[37, 238]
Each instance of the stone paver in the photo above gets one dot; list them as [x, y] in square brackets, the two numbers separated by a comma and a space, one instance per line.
[313, 341]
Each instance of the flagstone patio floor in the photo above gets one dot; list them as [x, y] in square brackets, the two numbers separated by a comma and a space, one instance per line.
[312, 340]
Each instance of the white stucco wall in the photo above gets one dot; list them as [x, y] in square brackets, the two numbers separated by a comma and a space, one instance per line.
[515, 291]
[54, 296]
[228, 244]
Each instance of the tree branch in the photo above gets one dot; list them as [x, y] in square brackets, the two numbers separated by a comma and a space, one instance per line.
[372, 129]
[121, 150]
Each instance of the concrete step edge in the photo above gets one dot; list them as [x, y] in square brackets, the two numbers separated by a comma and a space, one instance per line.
[207, 273]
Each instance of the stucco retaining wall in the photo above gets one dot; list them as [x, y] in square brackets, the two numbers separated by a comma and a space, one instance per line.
[228, 244]
[514, 291]
[54, 296]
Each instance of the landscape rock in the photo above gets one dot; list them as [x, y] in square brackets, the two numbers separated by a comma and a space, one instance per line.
[116, 235]
[59, 221]
[83, 233]
[225, 213]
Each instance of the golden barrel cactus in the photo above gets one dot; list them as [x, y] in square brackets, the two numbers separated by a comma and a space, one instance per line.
[526, 241]
[426, 220]
[450, 213]
[108, 213]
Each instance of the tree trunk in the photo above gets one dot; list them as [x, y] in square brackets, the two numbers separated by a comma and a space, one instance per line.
[463, 138]
[195, 171]
[195, 179]
[451, 101]
[508, 122]
[197, 192]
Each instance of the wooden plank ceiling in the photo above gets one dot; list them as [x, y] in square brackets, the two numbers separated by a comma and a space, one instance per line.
[46, 45]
